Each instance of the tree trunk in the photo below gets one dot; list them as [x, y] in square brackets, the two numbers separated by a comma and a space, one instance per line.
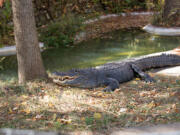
[171, 6]
[30, 65]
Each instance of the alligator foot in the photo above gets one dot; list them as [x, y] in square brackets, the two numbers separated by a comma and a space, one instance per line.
[111, 84]
[107, 90]
[147, 78]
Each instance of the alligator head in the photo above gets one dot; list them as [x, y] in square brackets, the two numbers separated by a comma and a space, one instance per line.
[77, 81]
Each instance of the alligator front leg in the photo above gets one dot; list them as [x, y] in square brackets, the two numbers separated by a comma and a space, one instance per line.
[142, 74]
[111, 84]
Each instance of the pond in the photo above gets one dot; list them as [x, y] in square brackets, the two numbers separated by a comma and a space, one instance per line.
[118, 45]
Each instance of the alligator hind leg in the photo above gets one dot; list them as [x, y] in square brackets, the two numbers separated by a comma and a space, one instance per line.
[142, 74]
[111, 84]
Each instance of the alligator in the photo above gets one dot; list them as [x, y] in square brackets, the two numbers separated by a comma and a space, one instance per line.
[113, 73]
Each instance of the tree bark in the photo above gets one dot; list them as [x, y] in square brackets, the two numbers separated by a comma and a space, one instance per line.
[171, 6]
[30, 65]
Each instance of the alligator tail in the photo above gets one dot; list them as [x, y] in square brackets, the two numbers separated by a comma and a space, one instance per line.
[162, 60]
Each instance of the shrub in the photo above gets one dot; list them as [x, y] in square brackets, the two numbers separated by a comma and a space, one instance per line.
[118, 6]
[5, 20]
[157, 17]
[61, 32]
[170, 20]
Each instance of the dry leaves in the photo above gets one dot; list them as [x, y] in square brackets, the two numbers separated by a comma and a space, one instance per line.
[1, 2]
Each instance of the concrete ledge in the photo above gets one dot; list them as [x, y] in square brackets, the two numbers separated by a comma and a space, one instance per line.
[171, 71]
[8, 131]
[165, 129]
[162, 31]
[11, 50]
[168, 129]
[116, 15]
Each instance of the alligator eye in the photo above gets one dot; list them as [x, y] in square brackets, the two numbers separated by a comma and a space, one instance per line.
[74, 70]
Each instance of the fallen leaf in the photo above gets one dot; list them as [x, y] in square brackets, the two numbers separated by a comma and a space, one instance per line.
[10, 110]
[39, 117]
[143, 94]
[139, 119]
[175, 109]
[24, 103]
[1, 2]
[50, 104]
[100, 94]
[97, 116]
[152, 104]
[24, 96]
[27, 111]
[82, 118]
[64, 121]
[123, 110]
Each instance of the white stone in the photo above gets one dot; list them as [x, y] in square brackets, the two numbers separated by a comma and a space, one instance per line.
[11, 50]
[162, 30]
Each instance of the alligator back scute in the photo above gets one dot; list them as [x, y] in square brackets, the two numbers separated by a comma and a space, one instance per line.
[162, 60]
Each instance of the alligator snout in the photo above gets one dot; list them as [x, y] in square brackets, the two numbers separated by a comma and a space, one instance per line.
[61, 80]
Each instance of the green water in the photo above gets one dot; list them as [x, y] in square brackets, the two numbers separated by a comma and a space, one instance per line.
[119, 45]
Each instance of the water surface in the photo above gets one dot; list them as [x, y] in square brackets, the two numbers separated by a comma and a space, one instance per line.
[119, 45]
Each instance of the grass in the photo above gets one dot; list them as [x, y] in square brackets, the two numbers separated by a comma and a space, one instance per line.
[43, 105]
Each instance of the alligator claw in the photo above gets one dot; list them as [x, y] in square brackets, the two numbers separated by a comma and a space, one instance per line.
[149, 80]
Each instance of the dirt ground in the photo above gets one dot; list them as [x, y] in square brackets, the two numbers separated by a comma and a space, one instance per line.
[99, 28]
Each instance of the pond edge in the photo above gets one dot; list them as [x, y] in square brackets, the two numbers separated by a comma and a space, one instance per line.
[11, 50]
[162, 31]
[81, 36]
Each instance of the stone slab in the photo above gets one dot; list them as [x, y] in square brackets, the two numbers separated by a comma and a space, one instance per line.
[162, 31]
[8, 131]
[168, 129]
[171, 71]
[11, 50]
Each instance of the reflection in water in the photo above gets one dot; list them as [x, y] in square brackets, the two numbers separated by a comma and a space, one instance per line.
[123, 44]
